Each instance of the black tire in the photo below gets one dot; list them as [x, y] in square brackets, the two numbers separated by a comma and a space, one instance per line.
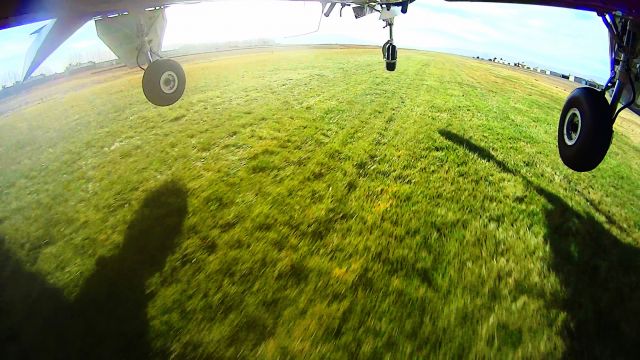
[585, 129]
[390, 53]
[391, 66]
[163, 82]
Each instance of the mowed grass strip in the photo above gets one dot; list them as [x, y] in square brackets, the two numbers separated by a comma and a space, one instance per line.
[333, 210]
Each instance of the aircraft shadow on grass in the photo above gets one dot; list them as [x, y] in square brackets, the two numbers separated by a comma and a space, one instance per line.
[600, 274]
[107, 319]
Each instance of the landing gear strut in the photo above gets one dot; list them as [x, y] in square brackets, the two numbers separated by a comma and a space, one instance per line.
[389, 49]
[586, 123]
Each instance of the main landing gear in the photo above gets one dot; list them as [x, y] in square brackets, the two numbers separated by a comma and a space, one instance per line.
[585, 129]
[387, 12]
[136, 39]
[586, 123]
[163, 82]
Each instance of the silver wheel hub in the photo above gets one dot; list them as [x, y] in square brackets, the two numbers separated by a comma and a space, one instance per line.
[572, 126]
[169, 82]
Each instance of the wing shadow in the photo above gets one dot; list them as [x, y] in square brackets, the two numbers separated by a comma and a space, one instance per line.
[600, 273]
[107, 319]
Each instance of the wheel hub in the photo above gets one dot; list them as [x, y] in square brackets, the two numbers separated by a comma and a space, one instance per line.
[572, 126]
[169, 82]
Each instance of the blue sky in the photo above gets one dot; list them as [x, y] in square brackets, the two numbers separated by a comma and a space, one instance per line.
[570, 41]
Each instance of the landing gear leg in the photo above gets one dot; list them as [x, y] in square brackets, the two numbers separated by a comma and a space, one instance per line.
[586, 123]
[164, 80]
[389, 49]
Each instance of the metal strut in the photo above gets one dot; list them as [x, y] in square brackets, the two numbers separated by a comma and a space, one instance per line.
[622, 44]
[389, 24]
[144, 43]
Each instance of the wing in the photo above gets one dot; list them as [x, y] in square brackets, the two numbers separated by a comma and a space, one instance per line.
[22, 12]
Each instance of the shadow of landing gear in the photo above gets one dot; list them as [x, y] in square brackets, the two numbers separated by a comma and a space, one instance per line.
[107, 319]
[600, 274]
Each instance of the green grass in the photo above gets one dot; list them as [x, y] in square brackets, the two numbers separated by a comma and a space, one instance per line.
[309, 204]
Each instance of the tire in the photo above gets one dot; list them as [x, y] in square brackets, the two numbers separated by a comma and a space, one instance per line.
[390, 53]
[585, 129]
[391, 66]
[163, 82]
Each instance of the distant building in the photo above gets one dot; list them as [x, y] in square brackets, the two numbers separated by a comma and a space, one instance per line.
[578, 80]
[79, 67]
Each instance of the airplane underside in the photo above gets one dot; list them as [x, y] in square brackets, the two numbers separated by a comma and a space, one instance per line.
[585, 129]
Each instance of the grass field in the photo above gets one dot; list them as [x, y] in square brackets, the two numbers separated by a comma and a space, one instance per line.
[309, 204]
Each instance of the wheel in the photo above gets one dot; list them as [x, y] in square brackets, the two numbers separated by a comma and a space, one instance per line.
[391, 66]
[163, 82]
[390, 52]
[585, 129]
